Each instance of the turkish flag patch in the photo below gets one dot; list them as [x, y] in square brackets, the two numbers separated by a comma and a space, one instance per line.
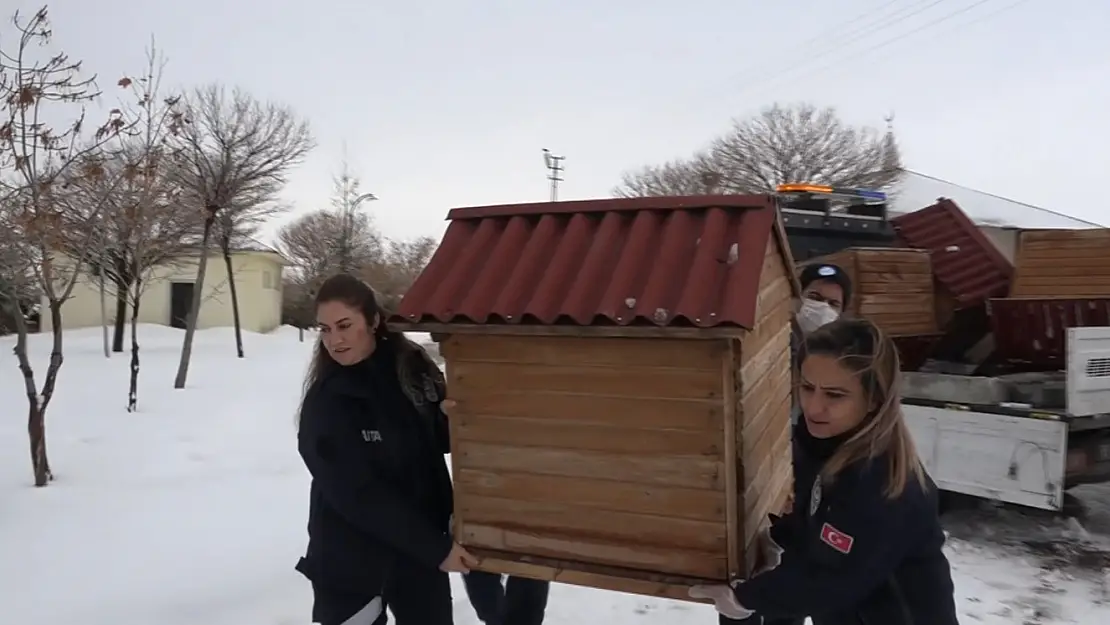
[836, 539]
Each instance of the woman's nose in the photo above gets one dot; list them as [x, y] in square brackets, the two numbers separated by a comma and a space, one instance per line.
[814, 406]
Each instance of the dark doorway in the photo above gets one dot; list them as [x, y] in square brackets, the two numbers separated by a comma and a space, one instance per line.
[181, 300]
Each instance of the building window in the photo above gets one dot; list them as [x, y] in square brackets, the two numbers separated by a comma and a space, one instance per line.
[267, 280]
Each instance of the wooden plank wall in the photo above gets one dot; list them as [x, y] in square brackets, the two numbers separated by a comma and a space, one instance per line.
[893, 287]
[896, 290]
[588, 450]
[1062, 264]
[763, 381]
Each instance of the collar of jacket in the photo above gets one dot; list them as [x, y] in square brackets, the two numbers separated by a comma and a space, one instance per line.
[420, 379]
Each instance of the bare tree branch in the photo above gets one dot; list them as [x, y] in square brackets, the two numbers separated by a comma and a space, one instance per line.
[142, 226]
[236, 148]
[403, 262]
[235, 154]
[798, 143]
[313, 242]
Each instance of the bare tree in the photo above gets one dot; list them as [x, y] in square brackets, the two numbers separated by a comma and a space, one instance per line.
[233, 147]
[797, 143]
[145, 229]
[39, 164]
[236, 226]
[313, 244]
[678, 177]
[403, 262]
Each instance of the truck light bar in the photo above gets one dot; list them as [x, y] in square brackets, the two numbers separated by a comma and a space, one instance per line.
[863, 194]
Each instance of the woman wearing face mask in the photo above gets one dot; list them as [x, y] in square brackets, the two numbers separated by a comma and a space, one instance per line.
[373, 437]
[863, 543]
[826, 292]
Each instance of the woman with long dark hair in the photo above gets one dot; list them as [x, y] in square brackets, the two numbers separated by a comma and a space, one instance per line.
[863, 542]
[373, 437]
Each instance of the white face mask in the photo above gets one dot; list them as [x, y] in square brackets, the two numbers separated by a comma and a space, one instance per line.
[814, 314]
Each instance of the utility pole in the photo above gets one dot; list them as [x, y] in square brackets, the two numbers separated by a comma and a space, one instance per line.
[554, 166]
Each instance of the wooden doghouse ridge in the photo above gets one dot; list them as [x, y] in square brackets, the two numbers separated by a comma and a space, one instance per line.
[621, 375]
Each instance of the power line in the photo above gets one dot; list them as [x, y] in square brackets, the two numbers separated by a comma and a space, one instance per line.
[884, 23]
[893, 40]
[902, 37]
[866, 24]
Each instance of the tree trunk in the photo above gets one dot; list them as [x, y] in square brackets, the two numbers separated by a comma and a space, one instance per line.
[36, 424]
[226, 245]
[121, 316]
[194, 310]
[133, 384]
[37, 403]
[42, 464]
[104, 316]
[122, 285]
[36, 432]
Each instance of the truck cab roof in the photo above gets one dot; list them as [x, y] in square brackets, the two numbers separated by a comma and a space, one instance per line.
[821, 219]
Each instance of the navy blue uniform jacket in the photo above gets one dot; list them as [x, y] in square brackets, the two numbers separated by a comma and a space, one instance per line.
[850, 555]
[380, 485]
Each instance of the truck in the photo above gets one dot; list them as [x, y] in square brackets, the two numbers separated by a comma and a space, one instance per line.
[1022, 438]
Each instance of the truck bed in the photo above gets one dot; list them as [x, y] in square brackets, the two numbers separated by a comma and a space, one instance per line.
[1038, 391]
[1002, 454]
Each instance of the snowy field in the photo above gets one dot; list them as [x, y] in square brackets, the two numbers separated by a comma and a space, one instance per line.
[192, 511]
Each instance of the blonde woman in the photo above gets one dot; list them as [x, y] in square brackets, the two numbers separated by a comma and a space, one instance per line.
[863, 542]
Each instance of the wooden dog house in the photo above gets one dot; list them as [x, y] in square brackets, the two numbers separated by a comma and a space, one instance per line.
[622, 376]
[1062, 264]
[1061, 280]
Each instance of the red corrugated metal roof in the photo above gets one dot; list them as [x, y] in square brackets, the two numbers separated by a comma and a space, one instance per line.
[679, 261]
[964, 260]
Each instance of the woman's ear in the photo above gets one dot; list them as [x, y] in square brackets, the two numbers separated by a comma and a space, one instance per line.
[374, 324]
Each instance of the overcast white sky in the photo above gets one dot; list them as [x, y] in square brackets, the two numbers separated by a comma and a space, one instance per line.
[448, 103]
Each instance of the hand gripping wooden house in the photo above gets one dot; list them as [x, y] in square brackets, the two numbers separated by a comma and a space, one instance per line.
[621, 369]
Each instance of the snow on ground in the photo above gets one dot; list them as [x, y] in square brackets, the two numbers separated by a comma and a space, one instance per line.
[193, 509]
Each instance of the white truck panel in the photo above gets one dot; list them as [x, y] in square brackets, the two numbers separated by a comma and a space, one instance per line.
[1088, 371]
[1019, 460]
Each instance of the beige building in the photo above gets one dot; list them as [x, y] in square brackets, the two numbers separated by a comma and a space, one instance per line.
[167, 295]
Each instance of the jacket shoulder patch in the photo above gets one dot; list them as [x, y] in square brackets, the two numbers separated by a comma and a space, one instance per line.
[836, 539]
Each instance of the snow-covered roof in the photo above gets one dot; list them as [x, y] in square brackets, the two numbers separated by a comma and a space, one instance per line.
[918, 190]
